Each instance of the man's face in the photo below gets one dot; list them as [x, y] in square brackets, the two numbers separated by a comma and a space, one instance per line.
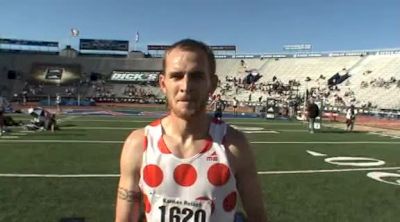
[186, 82]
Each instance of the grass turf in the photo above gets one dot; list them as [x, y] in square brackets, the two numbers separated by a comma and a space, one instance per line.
[333, 196]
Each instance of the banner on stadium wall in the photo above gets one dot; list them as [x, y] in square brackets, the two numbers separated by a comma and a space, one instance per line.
[303, 55]
[297, 47]
[56, 73]
[244, 56]
[223, 47]
[99, 44]
[134, 76]
[276, 56]
[213, 47]
[158, 47]
[28, 42]
[386, 53]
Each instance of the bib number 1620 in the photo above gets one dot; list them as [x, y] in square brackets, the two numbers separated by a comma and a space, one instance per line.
[177, 214]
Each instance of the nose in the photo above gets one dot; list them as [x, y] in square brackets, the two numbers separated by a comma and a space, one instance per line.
[186, 84]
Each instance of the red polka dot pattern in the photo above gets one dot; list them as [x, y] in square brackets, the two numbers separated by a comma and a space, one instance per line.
[155, 122]
[152, 175]
[185, 175]
[163, 147]
[230, 202]
[218, 174]
[147, 206]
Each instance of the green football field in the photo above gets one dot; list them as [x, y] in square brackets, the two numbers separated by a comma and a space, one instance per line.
[328, 176]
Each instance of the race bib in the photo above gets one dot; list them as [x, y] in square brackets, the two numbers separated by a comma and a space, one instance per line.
[168, 209]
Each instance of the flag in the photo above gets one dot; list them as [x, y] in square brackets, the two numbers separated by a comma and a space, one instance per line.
[74, 32]
[137, 37]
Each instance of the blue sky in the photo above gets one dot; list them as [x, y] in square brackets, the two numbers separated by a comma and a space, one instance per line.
[254, 26]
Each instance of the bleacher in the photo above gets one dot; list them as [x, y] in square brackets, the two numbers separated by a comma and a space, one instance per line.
[373, 70]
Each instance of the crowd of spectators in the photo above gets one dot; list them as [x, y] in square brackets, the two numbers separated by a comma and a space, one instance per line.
[380, 82]
[132, 90]
[249, 86]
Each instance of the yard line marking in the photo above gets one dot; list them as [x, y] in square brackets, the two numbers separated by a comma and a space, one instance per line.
[326, 171]
[259, 172]
[18, 134]
[77, 119]
[384, 135]
[100, 128]
[106, 120]
[134, 128]
[26, 131]
[313, 153]
[325, 142]
[266, 123]
[62, 141]
[58, 175]
[253, 142]
[8, 137]
[65, 119]
[260, 131]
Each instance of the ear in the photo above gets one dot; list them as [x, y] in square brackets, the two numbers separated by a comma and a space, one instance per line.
[214, 83]
[161, 82]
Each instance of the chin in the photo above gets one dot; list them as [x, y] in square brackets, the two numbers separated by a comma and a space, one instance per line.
[187, 113]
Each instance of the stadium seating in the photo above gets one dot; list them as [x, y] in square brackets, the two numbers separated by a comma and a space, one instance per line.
[373, 79]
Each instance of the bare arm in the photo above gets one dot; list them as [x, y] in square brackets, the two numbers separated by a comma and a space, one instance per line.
[211, 106]
[242, 159]
[128, 194]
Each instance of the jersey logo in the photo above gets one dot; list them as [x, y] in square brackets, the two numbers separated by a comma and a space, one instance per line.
[213, 157]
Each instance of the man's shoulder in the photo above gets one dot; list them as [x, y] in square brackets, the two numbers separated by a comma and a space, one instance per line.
[135, 139]
[235, 140]
[133, 149]
[238, 150]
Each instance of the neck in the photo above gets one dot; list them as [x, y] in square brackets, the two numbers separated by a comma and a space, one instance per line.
[193, 128]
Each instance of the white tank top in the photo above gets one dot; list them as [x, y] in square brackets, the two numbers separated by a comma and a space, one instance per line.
[201, 188]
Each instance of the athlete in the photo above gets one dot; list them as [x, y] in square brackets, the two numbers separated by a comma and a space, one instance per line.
[235, 105]
[188, 166]
[3, 106]
[218, 106]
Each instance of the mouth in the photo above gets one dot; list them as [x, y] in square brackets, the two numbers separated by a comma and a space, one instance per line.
[186, 100]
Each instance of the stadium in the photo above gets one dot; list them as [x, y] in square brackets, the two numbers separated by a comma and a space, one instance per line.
[98, 92]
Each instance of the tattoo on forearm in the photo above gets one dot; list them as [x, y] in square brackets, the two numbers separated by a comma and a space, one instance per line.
[128, 195]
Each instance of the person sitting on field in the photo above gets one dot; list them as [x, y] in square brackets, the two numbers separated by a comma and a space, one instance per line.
[43, 119]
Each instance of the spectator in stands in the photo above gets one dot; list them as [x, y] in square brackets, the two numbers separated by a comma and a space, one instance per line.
[350, 118]
[312, 113]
